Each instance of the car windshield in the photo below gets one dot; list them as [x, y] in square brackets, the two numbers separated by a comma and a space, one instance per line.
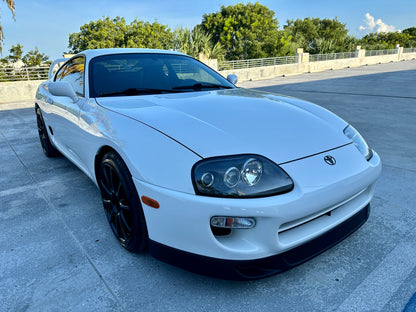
[151, 73]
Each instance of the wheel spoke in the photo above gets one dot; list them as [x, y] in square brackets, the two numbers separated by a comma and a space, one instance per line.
[124, 205]
[106, 179]
[125, 223]
[111, 177]
[112, 214]
[107, 205]
[119, 187]
[105, 189]
[118, 226]
[123, 233]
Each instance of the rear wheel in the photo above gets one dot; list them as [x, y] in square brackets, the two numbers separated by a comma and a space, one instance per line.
[47, 147]
[121, 203]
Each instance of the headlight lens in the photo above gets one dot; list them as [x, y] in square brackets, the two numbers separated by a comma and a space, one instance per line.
[239, 176]
[358, 141]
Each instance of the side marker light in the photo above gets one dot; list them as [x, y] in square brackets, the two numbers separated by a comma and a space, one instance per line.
[150, 202]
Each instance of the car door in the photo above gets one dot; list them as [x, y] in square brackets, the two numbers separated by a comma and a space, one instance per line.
[64, 117]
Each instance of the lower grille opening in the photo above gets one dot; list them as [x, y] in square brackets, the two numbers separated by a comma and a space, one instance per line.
[220, 231]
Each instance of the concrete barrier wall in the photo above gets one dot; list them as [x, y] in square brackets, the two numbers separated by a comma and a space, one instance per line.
[18, 91]
[265, 72]
[408, 56]
[305, 66]
[26, 90]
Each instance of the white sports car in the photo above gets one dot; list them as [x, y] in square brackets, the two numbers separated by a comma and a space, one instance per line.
[213, 178]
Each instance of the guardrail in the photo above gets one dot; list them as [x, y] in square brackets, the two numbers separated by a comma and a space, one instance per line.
[41, 73]
[331, 56]
[270, 61]
[409, 50]
[380, 52]
[24, 73]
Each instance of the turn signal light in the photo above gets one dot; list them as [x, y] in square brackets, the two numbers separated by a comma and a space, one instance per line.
[233, 222]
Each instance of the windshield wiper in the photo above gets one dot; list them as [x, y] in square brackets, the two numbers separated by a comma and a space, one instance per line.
[200, 86]
[137, 91]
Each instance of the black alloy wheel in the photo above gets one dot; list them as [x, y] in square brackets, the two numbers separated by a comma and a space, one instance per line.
[122, 204]
[47, 147]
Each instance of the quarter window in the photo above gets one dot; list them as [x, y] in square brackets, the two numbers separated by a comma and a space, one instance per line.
[73, 72]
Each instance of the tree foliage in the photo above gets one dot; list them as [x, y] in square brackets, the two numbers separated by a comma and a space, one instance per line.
[148, 35]
[375, 41]
[197, 42]
[410, 31]
[245, 31]
[34, 58]
[115, 33]
[241, 31]
[31, 59]
[16, 53]
[10, 5]
[317, 35]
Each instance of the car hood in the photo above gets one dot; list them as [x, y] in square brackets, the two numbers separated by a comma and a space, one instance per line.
[236, 121]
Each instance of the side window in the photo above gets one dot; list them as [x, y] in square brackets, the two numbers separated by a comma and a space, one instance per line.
[73, 72]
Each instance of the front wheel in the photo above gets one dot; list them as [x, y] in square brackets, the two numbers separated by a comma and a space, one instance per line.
[121, 203]
[45, 142]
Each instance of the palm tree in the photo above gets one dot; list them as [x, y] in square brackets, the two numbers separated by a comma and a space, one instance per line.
[196, 42]
[10, 4]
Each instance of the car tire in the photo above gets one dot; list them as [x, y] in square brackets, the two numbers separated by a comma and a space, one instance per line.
[122, 204]
[47, 147]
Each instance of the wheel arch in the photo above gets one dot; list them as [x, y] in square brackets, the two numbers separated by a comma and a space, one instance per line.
[99, 157]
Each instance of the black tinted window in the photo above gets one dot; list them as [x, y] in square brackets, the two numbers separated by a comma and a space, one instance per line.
[146, 73]
[73, 72]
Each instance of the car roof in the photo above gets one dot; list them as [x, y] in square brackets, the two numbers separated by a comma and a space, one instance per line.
[89, 54]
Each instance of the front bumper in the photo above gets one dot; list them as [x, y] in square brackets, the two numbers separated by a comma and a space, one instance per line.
[258, 268]
[322, 201]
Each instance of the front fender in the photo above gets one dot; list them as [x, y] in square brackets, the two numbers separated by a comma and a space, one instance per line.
[151, 156]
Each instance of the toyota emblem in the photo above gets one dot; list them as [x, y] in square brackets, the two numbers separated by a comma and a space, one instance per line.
[330, 160]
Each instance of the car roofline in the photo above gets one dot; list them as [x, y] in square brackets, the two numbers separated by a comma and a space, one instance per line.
[89, 54]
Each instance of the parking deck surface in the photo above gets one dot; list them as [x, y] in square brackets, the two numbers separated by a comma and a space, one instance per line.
[57, 252]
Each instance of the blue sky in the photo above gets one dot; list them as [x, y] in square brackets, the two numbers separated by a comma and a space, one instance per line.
[47, 23]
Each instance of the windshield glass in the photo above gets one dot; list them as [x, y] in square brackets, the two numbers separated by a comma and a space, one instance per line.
[151, 73]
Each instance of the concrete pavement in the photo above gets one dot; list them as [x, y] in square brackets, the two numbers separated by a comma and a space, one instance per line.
[57, 252]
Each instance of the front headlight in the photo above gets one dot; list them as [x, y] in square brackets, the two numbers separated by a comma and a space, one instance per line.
[358, 141]
[239, 176]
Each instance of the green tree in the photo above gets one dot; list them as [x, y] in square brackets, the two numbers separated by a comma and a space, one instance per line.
[10, 5]
[103, 33]
[410, 31]
[245, 31]
[317, 35]
[34, 58]
[115, 33]
[148, 35]
[16, 52]
[196, 42]
[377, 41]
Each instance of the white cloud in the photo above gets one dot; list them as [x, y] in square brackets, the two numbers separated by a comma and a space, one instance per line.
[373, 25]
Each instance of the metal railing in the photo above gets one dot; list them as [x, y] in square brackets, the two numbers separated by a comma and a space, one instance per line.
[409, 50]
[380, 52]
[331, 56]
[41, 73]
[24, 73]
[270, 61]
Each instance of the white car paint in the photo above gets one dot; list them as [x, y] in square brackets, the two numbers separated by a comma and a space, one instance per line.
[161, 137]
